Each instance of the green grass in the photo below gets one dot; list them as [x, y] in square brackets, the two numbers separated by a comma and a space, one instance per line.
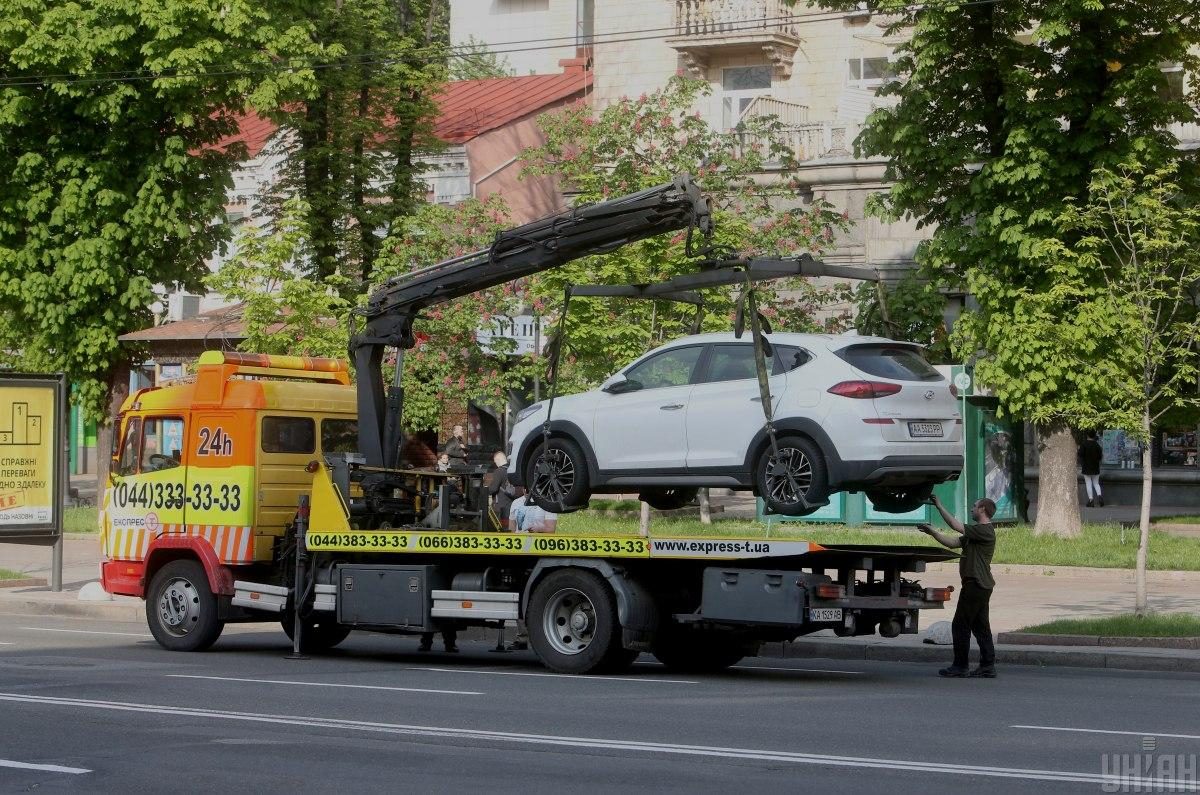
[1189, 519]
[9, 574]
[1100, 545]
[81, 520]
[599, 506]
[1155, 625]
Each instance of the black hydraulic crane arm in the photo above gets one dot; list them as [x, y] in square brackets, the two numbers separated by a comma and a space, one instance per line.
[533, 248]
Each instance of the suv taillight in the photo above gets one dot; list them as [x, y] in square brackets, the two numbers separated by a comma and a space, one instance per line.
[864, 389]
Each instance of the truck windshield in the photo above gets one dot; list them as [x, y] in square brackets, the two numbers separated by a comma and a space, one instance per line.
[900, 363]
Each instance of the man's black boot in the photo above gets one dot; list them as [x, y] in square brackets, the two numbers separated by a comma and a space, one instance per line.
[1100, 500]
[1089, 503]
[953, 672]
[983, 672]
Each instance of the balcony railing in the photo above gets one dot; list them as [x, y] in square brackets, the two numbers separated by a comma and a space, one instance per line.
[725, 17]
[790, 114]
[1188, 133]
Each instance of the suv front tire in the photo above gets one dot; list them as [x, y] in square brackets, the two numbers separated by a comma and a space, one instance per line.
[556, 476]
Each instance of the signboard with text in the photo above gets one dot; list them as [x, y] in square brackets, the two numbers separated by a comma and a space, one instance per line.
[32, 446]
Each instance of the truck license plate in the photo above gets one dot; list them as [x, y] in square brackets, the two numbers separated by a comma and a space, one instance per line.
[916, 429]
[825, 614]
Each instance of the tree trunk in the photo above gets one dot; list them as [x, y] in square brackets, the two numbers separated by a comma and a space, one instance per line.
[644, 522]
[1143, 549]
[705, 512]
[1058, 489]
[118, 390]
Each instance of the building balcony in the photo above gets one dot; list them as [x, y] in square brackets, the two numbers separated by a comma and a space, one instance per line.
[706, 29]
[807, 140]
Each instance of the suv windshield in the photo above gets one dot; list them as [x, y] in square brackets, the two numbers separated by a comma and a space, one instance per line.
[890, 361]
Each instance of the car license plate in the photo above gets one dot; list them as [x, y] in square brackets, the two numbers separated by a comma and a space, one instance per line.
[916, 429]
[825, 614]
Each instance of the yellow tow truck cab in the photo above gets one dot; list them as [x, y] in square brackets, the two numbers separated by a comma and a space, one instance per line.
[213, 466]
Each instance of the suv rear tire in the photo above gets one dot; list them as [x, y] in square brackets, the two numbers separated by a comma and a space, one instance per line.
[798, 469]
[556, 476]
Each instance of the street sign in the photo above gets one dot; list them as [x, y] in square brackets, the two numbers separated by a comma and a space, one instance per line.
[962, 382]
[32, 449]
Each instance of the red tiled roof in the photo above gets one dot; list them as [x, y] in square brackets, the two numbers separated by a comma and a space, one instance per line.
[224, 323]
[470, 108]
[253, 130]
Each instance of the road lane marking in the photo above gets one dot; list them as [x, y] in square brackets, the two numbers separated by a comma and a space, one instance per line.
[590, 743]
[89, 632]
[1108, 731]
[6, 643]
[326, 684]
[74, 771]
[576, 677]
[805, 670]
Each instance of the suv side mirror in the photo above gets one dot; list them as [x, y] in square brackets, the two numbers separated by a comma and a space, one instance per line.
[621, 385]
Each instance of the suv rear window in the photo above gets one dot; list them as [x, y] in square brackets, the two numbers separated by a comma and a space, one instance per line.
[890, 361]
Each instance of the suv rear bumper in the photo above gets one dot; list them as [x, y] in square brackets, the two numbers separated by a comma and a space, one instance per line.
[898, 470]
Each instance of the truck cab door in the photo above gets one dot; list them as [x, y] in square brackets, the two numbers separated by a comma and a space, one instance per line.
[148, 493]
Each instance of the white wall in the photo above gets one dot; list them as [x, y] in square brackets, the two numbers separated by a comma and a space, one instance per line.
[497, 22]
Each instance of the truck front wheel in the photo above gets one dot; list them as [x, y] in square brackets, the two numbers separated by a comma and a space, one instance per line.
[181, 609]
[573, 624]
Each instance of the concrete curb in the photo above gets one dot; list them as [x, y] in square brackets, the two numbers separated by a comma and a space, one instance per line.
[121, 609]
[1036, 639]
[1011, 655]
[26, 582]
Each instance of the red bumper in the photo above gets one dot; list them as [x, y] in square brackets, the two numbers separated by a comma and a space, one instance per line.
[125, 577]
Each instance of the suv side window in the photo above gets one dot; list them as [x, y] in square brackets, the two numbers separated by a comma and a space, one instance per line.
[731, 362]
[669, 368]
[788, 358]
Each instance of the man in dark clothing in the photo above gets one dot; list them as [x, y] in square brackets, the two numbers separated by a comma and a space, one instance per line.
[978, 542]
[1090, 456]
[456, 448]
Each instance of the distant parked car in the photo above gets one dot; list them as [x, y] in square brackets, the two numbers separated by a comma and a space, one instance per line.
[851, 413]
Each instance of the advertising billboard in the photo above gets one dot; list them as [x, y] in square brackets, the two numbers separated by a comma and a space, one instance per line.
[32, 449]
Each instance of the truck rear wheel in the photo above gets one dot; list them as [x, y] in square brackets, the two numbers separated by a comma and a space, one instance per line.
[698, 651]
[181, 609]
[320, 633]
[573, 624]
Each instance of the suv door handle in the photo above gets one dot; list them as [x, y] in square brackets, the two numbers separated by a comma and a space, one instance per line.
[672, 407]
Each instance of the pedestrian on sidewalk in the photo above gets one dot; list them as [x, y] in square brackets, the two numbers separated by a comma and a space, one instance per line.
[978, 543]
[1090, 456]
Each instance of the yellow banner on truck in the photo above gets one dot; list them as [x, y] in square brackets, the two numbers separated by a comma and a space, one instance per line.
[31, 455]
[537, 545]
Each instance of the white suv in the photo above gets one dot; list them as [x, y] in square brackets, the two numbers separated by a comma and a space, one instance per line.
[850, 413]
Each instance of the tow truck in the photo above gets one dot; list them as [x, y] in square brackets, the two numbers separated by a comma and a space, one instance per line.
[254, 512]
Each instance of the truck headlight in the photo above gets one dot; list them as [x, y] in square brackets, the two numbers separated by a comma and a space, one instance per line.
[528, 412]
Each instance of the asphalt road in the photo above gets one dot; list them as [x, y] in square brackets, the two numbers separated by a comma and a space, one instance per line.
[99, 707]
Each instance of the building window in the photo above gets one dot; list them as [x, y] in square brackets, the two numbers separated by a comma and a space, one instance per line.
[739, 87]
[869, 72]
[1174, 89]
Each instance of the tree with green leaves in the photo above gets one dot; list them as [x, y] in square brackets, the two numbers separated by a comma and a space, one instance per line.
[1140, 231]
[283, 312]
[1005, 110]
[638, 143]
[474, 60]
[354, 144]
[109, 112]
[911, 309]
